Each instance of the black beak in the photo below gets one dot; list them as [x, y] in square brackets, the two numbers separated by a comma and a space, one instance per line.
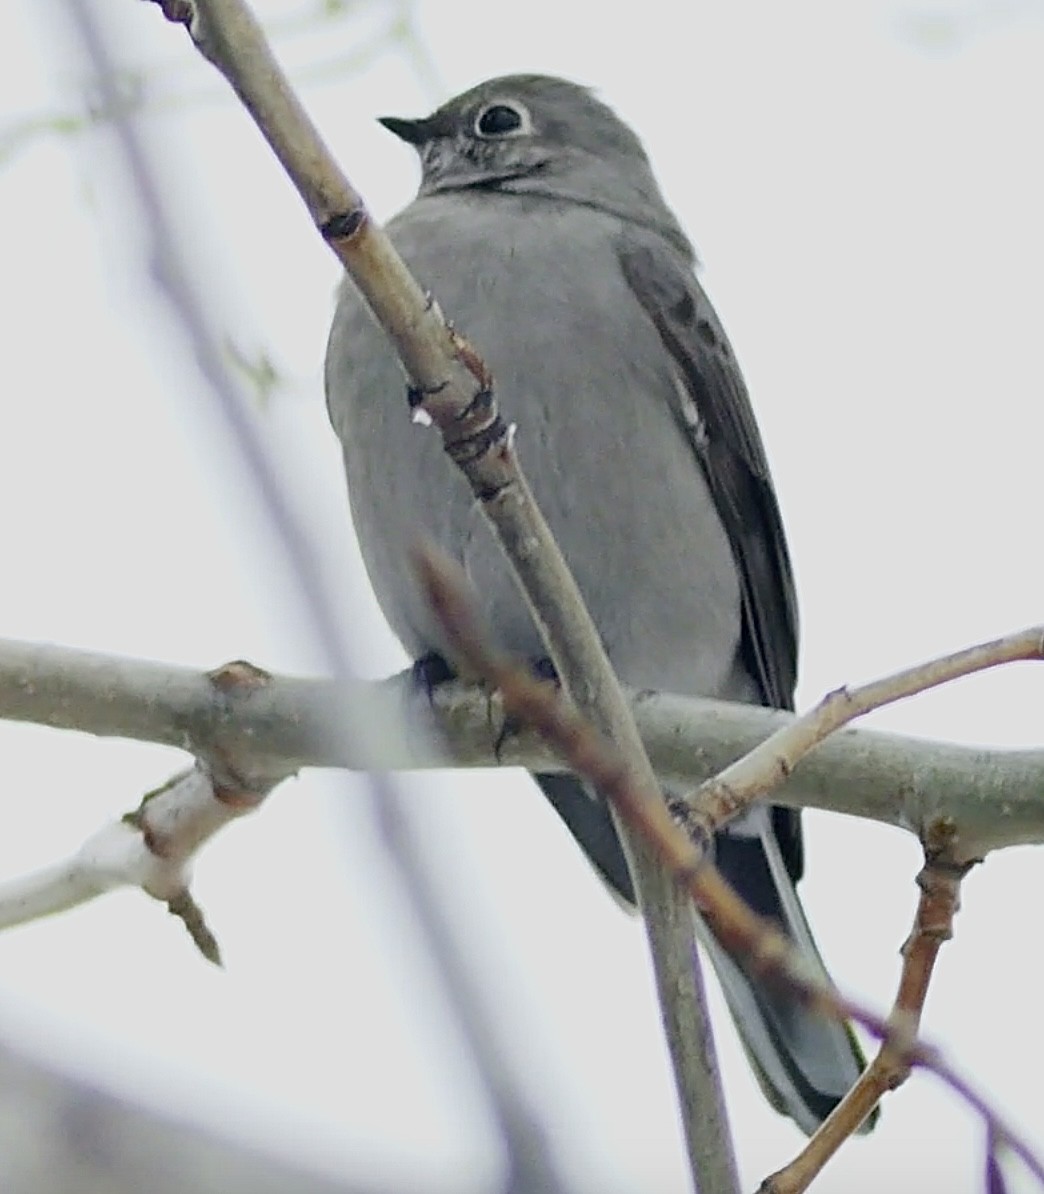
[413, 132]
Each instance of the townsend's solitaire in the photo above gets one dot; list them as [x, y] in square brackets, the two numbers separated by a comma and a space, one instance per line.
[540, 229]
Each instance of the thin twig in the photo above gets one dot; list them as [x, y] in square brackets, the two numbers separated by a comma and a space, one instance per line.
[152, 848]
[748, 937]
[940, 883]
[728, 794]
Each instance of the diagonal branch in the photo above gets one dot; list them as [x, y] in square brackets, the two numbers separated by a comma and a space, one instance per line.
[748, 937]
[452, 385]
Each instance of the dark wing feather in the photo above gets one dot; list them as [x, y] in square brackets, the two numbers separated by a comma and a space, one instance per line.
[715, 414]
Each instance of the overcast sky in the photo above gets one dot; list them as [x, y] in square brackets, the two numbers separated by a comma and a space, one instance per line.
[863, 183]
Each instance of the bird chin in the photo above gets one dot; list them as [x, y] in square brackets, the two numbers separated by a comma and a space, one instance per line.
[517, 177]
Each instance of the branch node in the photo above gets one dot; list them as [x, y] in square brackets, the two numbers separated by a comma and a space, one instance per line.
[417, 395]
[345, 225]
[238, 675]
[178, 12]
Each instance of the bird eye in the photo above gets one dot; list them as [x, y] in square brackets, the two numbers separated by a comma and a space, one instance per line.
[501, 120]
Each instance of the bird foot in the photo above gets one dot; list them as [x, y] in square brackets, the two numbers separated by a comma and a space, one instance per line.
[429, 672]
[543, 669]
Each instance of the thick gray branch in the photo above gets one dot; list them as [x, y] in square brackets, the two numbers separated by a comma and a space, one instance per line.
[994, 798]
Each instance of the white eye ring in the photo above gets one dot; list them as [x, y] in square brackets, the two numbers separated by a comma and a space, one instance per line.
[503, 118]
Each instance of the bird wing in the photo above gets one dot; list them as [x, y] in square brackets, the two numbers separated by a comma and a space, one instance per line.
[713, 411]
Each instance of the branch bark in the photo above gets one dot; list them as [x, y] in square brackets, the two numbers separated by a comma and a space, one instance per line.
[994, 798]
[758, 773]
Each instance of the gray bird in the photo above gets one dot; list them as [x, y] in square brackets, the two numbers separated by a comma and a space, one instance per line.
[542, 232]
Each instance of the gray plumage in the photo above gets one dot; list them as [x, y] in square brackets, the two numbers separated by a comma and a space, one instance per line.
[541, 230]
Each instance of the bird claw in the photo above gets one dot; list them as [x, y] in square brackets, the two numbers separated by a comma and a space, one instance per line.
[429, 672]
[543, 669]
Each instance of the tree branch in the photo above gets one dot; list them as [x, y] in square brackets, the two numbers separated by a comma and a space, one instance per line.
[754, 940]
[940, 883]
[154, 846]
[268, 731]
[760, 771]
[451, 383]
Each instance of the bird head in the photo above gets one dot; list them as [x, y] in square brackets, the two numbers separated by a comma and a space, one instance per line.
[538, 135]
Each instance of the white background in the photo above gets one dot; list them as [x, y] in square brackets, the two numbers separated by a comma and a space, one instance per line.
[863, 182]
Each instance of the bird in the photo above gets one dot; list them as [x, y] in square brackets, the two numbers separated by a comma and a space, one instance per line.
[540, 229]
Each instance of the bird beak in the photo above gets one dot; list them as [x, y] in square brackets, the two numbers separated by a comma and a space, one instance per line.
[413, 132]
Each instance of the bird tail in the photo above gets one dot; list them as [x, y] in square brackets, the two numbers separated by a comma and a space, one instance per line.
[804, 1062]
[587, 818]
